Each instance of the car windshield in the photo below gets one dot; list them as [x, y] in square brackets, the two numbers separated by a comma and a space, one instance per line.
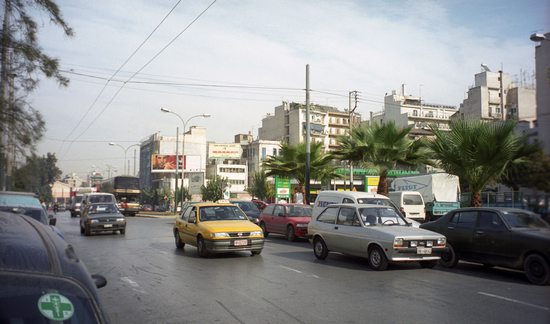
[38, 214]
[28, 298]
[524, 219]
[100, 198]
[212, 213]
[103, 209]
[247, 206]
[381, 216]
[374, 201]
[299, 211]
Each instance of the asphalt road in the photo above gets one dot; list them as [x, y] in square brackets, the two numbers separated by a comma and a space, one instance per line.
[150, 281]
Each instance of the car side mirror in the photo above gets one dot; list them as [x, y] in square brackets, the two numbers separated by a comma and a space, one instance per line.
[99, 280]
[192, 220]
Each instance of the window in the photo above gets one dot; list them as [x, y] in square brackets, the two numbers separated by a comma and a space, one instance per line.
[264, 152]
[328, 215]
[465, 219]
[490, 221]
[279, 210]
[269, 209]
[274, 152]
[415, 112]
[347, 217]
[348, 201]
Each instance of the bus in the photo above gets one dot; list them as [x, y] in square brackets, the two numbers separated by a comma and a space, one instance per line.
[126, 191]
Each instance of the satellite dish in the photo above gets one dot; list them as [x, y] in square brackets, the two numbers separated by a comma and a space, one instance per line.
[485, 67]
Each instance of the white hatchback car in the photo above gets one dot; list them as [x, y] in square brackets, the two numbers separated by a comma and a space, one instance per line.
[375, 232]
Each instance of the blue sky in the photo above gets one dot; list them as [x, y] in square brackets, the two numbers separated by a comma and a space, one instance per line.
[434, 47]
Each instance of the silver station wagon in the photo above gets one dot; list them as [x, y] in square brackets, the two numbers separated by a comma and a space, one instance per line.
[375, 232]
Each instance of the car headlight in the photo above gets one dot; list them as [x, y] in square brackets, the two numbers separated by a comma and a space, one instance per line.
[219, 235]
[398, 241]
[92, 221]
[256, 233]
[429, 243]
[441, 241]
[120, 219]
[301, 225]
[414, 243]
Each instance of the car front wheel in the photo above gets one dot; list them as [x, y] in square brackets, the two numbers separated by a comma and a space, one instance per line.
[537, 269]
[201, 247]
[449, 258]
[320, 248]
[290, 233]
[264, 229]
[179, 242]
[256, 252]
[377, 259]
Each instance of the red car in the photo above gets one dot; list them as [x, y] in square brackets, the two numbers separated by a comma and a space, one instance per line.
[288, 219]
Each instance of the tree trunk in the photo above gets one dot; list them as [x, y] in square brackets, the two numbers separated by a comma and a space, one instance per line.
[475, 201]
[383, 183]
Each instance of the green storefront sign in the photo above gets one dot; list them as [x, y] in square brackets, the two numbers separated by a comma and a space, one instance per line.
[282, 188]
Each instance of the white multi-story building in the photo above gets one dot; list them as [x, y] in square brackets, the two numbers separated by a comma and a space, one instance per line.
[288, 124]
[484, 98]
[542, 62]
[405, 110]
[225, 160]
[257, 152]
[521, 105]
[194, 155]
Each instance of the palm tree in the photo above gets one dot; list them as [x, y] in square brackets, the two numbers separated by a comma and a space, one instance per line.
[383, 146]
[259, 187]
[477, 152]
[291, 163]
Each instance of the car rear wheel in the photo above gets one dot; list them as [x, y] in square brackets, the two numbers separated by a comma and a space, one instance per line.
[264, 229]
[290, 233]
[320, 248]
[377, 259]
[449, 258]
[537, 269]
[428, 264]
[179, 242]
[201, 247]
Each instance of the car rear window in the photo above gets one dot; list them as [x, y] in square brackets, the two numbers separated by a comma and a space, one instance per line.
[412, 200]
[19, 200]
[299, 211]
[374, 201]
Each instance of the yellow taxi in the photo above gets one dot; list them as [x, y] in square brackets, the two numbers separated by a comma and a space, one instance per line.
[217, 228]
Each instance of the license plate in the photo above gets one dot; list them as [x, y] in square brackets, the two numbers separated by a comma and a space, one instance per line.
[240, 242]
[422, 250]
[108, 225]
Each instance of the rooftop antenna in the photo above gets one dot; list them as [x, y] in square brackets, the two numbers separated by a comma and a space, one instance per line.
[485, 67]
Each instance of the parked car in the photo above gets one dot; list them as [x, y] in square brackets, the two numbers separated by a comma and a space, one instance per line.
[102, 217]
[145, 207]
[497, 236]
[288, 219]
[25, 203]
[259, 203]
[217, 228]
[249, 208]
[375, 232]
[41, 278]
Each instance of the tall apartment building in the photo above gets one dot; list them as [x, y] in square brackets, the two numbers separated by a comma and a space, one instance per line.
[484, 97]
[193, 163]
[226, 161]
[405, 110]
[288, 124]
[542, 66]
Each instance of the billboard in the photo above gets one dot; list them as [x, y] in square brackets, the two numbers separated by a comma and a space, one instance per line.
[224, 151]
[165, 162]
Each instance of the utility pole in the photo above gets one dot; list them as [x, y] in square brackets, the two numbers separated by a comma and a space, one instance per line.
[351, 115]
[308, 135]
[501, 95]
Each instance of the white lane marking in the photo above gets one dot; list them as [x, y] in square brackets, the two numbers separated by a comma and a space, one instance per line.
[135, 285]
[514, 301]
[298, 271]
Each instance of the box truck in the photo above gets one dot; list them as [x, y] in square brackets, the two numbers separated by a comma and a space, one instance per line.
[440, 191]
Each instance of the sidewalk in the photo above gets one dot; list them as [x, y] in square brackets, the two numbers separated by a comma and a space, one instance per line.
[153, 214]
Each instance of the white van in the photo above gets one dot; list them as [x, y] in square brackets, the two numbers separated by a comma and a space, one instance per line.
[411, 202]
[328, 197]
[97, 197]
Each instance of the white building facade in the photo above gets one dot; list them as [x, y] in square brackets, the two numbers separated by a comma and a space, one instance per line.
[542, 62]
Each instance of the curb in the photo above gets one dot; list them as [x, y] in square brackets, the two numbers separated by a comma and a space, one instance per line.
[166, 216]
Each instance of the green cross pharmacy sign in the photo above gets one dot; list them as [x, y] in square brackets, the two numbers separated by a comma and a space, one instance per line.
[55, 307]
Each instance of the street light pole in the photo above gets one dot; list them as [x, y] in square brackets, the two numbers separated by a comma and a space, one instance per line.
[184, 123]
[125, 149]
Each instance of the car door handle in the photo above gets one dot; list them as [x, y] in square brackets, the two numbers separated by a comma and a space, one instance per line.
[480, 233]
[335, 227]
[451, 227]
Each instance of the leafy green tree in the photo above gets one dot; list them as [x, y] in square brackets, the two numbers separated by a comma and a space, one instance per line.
[477, 152]
[182, 192]
[530, 169]
[382, 146]
[291, 163]
[37, 175]
[213, 191]
[22, 60]
[259, 186]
